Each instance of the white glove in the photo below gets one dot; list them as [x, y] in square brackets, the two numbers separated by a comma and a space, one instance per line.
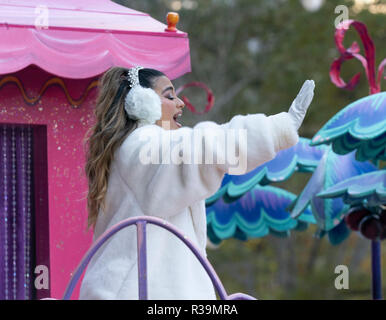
[301, 103]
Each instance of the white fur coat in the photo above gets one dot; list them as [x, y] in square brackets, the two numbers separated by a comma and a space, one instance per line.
[176, 193]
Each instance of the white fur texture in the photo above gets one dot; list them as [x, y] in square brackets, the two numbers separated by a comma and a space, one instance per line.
[143, 104]
[175, 193]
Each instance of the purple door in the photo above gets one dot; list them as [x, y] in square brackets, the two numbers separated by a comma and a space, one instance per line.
[19, 165]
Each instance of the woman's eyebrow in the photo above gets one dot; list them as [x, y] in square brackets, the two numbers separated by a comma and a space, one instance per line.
[166, 89]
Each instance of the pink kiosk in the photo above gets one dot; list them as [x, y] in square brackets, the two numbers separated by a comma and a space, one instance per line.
[51, 55]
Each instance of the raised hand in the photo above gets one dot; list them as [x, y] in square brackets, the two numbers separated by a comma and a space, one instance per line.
[301, 103]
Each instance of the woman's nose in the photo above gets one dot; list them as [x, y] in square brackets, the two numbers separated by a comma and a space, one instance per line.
[181, 103]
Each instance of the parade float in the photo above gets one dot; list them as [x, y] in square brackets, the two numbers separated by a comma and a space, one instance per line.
[49, 75]
[51, 55]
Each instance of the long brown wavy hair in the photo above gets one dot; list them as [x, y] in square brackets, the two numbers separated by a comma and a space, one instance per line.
[111, 128]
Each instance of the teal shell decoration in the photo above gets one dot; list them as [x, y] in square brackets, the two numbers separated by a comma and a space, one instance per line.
[337, 234]
[259, 212]
[360, 126]
[301, 157]
[369, 188]
[331, 170]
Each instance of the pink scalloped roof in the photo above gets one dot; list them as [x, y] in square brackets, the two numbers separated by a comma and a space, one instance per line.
[86, 37]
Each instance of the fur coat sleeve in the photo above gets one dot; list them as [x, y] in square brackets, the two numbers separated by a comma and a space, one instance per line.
[165, 189]
[176, 192]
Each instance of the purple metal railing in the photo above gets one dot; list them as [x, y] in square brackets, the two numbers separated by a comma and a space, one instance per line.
[141, 222]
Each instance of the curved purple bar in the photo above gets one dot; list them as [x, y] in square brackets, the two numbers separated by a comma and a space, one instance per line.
[142, 263]
[141, 220]
[240, 296]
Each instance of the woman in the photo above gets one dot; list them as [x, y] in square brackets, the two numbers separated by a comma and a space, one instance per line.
[122, 183]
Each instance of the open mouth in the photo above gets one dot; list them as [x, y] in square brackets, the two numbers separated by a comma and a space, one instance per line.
[176, 119]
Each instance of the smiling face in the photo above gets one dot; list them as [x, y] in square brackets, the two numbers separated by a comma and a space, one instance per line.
[171, 104]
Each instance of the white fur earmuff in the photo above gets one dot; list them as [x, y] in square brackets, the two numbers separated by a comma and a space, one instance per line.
[143, 104]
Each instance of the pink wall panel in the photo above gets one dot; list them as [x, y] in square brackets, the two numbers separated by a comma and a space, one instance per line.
[67, 184]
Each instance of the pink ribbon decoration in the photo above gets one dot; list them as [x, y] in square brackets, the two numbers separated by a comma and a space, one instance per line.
[368, 62]
[189, 105]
